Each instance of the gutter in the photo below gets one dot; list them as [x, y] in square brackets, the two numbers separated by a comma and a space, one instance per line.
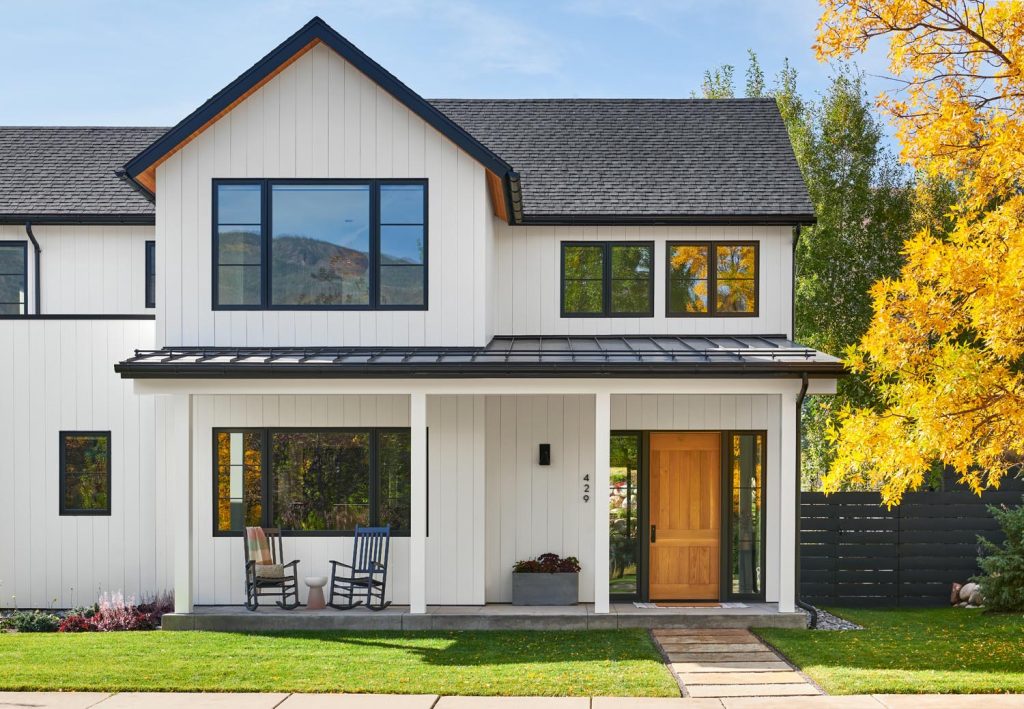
[38, 281]
[796, 543]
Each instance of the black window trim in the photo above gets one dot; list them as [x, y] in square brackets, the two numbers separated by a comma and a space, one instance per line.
[266, 238]
[24, 270]
[712, 311]
[606, 279]
[150, 271]
[65, 511]
[267, 475]
[725, 567]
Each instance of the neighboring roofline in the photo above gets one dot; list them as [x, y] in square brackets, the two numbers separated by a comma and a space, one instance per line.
[313, 32]
[80, 219]
[664, 219]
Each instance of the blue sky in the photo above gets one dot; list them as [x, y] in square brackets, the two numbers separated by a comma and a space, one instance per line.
[106, 62]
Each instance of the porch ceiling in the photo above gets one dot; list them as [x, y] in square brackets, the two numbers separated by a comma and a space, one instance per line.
[508, 356]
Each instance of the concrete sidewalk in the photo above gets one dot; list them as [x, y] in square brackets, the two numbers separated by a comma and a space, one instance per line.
[169, 700]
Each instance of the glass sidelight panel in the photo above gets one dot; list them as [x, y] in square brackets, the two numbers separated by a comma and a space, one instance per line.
[746, 542]
[239, 480]
[623, 511]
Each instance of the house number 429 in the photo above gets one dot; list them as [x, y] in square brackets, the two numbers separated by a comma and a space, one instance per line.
[586, 488]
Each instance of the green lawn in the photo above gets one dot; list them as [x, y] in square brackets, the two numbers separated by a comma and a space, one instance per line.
[620, 662]
[945, 650]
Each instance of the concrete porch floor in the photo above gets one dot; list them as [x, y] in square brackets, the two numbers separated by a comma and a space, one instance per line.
[493, 616]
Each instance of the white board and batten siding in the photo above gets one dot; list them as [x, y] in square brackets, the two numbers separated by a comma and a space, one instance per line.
[57, 375]
[533, 509]
[322, 118]
[455, 543]
[528, 281]
[87, 269]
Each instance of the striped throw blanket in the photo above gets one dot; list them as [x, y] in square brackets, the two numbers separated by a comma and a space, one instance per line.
[259, 547]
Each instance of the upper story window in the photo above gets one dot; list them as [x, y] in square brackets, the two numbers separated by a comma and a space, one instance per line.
[85, 472]
[150, 274]
[320, 244]
[719, 278]
[13, 278]
[607, 279]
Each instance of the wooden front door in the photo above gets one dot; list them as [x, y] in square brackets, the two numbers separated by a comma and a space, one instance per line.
[685, 506]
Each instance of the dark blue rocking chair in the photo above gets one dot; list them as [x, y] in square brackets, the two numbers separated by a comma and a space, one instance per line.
[367, 575]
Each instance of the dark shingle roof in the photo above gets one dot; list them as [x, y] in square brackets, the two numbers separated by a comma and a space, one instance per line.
[68, 173]
[577, 158]
[633, 157]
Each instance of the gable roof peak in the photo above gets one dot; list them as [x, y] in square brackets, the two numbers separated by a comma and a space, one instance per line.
[142, 168]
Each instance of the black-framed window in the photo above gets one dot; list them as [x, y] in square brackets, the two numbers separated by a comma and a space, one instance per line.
[712, 278]
[150, 274]
[13, 278]
[320, 244]
[85, 472]
[607, 279]
[745, 478]
[320, 481]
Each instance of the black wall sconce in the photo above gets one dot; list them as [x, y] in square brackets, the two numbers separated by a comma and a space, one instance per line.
[544, 456]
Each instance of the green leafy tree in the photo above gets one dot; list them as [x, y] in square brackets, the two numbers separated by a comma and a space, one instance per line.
[718, 82]
[755, 76]
[1002, 566]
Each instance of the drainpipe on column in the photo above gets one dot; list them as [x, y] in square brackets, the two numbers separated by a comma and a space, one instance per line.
[38, 283]
[796, 552]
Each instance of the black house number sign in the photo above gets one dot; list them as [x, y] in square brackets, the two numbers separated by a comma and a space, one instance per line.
[586, 487]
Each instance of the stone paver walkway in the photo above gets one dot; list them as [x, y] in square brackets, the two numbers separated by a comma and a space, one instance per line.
[174, 700]
[729, 663]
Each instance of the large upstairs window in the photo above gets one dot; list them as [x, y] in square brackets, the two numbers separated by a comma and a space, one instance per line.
[320, 244]
[13, 277]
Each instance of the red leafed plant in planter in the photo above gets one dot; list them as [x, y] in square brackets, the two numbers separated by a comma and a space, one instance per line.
[548, 564]
[548, 580]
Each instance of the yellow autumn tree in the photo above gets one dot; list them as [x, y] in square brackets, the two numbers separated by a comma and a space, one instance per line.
[946, 343]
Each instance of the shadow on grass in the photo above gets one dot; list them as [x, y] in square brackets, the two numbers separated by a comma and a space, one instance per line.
[469, 648]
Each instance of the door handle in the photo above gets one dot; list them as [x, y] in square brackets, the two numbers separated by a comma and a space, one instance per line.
[654, 533]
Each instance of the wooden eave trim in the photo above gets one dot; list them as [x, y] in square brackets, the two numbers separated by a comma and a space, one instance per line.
[147, 178]
[496, 189]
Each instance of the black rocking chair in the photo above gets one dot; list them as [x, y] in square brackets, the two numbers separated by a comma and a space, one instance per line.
[367, 575]
[273, 579]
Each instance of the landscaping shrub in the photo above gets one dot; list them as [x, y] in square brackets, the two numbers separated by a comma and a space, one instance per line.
[75, 623]
[31, 622]
[1002, 567]
[547, 564]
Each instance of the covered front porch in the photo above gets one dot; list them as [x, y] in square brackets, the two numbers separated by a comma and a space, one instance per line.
[478, 495]
[492, 616]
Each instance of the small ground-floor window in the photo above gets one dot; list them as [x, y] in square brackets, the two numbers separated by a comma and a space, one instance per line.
[745, 473]
[85, 472]
[312, 481]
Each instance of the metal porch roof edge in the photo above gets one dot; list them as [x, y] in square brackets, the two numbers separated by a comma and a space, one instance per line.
[504, 356]
[315, 30]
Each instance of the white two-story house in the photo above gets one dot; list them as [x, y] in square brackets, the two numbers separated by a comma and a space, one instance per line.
[503, 327]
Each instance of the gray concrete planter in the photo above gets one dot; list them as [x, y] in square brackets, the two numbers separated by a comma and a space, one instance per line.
[559, 589]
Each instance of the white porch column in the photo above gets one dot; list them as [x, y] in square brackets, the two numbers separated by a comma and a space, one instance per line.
[787, 502]
[418, 539]
[599, 496]
[180, 478]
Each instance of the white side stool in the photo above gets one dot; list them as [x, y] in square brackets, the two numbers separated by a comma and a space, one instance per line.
[315, 599]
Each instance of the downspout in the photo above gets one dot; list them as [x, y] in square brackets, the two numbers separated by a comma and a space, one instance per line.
[38, 251]
[796, 544]
[792, 293]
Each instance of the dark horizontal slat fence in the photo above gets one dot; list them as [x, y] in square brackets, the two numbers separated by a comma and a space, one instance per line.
[855, 552]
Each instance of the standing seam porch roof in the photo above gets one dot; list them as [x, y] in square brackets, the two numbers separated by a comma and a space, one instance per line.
[511, 356]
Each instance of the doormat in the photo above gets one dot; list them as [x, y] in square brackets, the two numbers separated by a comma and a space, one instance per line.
[709, 604]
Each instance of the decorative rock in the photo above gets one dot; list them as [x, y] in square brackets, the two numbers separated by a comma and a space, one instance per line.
[966, 590]
[954, 596]
[976, 598]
